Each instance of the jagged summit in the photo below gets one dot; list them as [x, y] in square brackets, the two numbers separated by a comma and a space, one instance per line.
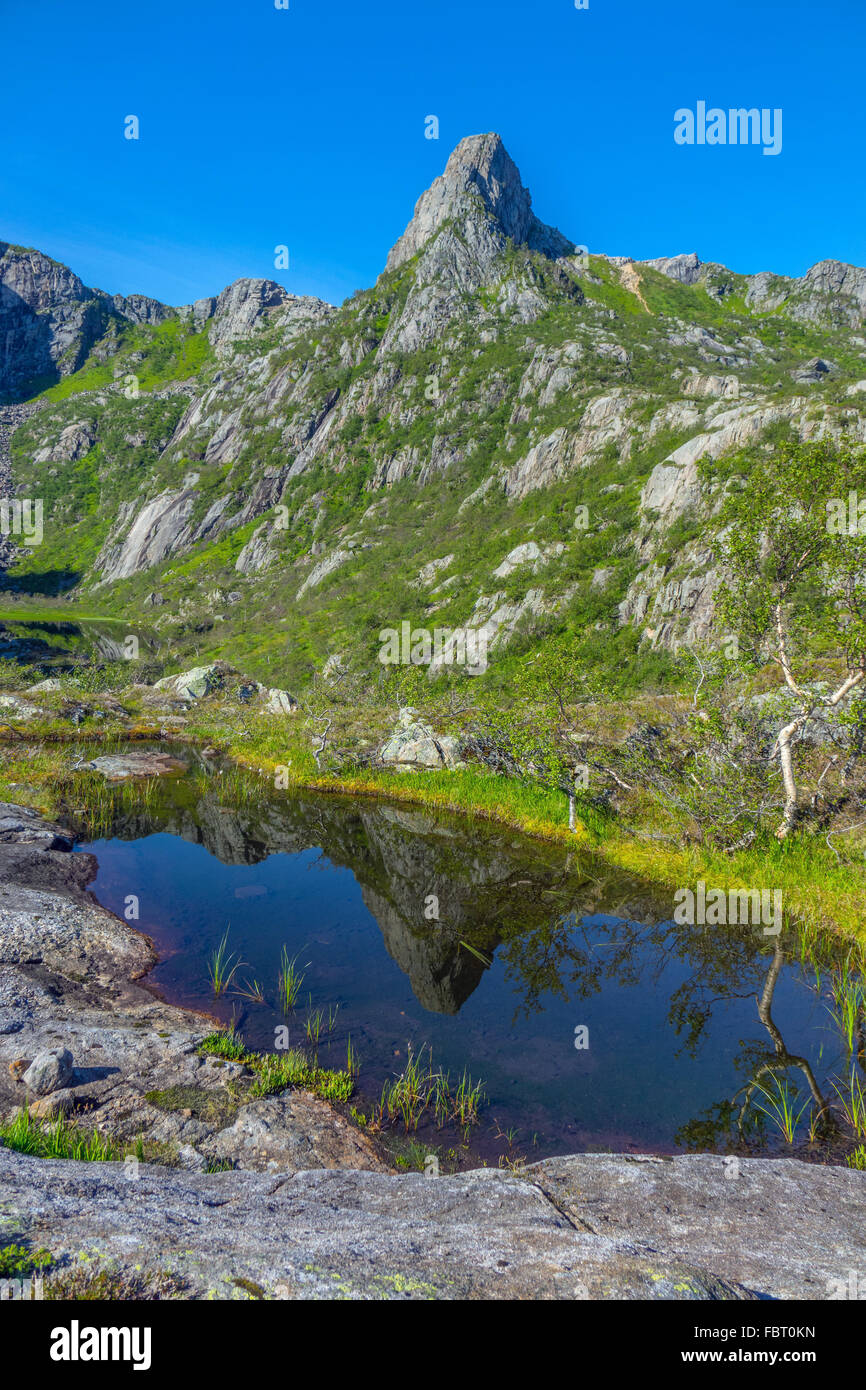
[397, 431]
[479, 166]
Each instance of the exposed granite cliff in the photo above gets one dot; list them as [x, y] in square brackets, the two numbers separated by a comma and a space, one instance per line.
[492, 358]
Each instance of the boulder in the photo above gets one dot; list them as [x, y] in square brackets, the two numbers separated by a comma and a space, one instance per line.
[280, 702]
[198, 683]
[414, 745]
[122, 767]
[49, 1071]
[529, 553]
[56, 1103]
[15, 708]
[816, 369]
[51, 683]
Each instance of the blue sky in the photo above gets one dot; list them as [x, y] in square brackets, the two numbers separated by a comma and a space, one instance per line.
[305, 127]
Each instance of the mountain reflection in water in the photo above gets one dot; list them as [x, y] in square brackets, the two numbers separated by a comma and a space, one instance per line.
[488, 947]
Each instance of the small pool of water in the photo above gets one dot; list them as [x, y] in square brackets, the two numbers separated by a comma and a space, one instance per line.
[434, 932]
[54, 647]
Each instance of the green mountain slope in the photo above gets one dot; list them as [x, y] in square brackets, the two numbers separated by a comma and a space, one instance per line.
[502, 434]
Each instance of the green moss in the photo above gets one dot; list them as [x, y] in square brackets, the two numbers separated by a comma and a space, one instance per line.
[215, 1107]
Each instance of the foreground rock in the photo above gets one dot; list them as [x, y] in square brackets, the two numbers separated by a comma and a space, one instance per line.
[588, 1227]
[79, 1035]
[280, 702]
[49, 1071]
[222, 679]
[123, 767]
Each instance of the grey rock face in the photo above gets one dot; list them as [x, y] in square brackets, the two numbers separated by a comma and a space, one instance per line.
[241, 306]
[459, 281]
[50, 320]
[479, 176]
[74, 442]
[836, 280]
[686, 268]
[682, 609]
[582, 1228]
[49, 1071]
[703, 386]
[280, 702]
[415, 745]
[197, 683]
[323, 569]
[123, 767]
[140, 308]
[245, 304]
[257, 554]
[154, 533]
[605, 421]
[458, 236]
[673, 611]
[829, 290]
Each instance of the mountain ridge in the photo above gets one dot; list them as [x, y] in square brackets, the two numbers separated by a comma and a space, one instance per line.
[496, 376]
[478, 171]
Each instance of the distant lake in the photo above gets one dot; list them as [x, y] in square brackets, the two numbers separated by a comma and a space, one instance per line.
[58, 646]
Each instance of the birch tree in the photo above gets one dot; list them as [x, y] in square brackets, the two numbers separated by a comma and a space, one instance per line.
[791, 535]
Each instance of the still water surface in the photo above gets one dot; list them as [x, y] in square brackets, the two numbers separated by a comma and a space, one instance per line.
[531, 943]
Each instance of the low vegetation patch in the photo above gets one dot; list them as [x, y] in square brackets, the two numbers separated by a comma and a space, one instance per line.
[105, 1285]
[275, 1072]
[59, 1138]
[216, 1107]
[19, 1261]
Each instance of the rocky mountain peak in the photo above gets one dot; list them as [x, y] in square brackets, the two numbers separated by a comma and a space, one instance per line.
[480, 167]
[244, 304]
